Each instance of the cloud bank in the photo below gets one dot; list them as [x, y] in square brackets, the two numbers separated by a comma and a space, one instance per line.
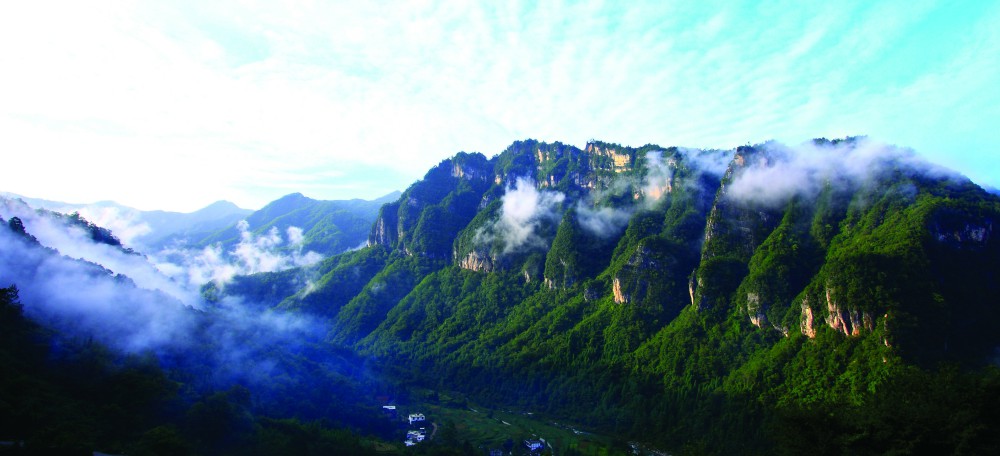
[787, 172]
[266, 252]
[67, 283]
[523, 211]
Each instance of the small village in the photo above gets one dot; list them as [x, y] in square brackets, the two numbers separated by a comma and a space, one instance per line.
[418, 420]
[416, 424]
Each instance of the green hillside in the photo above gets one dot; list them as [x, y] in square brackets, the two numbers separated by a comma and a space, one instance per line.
[646, 297]
[328, 227]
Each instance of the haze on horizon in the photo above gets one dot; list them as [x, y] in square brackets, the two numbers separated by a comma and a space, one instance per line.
[176, 105]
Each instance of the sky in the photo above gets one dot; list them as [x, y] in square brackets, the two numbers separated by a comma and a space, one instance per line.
[175, 105]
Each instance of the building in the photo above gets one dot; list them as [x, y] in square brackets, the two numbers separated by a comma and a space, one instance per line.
[415, 437]
[534, 445]
[417, 417]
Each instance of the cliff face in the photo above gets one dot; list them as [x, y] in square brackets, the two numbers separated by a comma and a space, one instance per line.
[642, 234]
[384, 231]
[655, 280]
[733, 231]
[476, 261]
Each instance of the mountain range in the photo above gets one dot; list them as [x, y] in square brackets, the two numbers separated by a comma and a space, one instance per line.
[329, 226]
[838, 296]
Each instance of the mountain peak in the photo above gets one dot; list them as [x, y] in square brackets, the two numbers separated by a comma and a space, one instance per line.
[293, 196]
[221, 208]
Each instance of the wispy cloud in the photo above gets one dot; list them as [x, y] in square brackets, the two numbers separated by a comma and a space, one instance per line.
[254, 253]
[524, 210]
[243, 98]
[66, 283]
[805, 169]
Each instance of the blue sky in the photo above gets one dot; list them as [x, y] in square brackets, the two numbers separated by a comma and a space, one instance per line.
[173, 105]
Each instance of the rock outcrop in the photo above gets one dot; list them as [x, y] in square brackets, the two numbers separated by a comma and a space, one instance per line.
[477, 261]
[846, 320]
[806, 323]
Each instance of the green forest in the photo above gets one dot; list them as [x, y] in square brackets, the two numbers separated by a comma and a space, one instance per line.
[638, 293]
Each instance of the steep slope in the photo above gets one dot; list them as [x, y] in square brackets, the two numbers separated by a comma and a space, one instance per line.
[685, 297]
[94, 363]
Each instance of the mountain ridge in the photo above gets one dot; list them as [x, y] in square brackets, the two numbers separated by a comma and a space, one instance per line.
[761, 299]
[490, 273]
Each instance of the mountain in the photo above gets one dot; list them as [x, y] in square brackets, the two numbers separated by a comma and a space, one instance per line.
[122, 362]
[834, 297]
[788, 299]
[169, 226]
[147, 230]
[327, 227]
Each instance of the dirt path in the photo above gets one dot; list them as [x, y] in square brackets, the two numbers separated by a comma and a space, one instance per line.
[434, 430]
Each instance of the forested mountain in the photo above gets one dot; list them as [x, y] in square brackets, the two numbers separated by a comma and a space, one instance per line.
[838, 297]
[166, 227]
[327, 227]
[147, 230]
[765, 297]
[94, 359]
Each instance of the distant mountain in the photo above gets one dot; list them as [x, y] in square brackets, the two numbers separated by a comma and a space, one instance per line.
[327, 227]
[839, 297]
[101, 353]
[769, 297]
[148, 230]
[167, 227]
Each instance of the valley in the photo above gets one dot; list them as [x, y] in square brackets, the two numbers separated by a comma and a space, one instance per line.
[767, 299]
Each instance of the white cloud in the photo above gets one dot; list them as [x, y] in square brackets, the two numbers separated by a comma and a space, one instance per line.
[243, 98]
[83, 300]
[804, 170]
[603, 221]
[523, 211]
[659, 176]
[254, 253]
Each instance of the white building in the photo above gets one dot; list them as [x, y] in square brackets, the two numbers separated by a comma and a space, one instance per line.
[534, 445]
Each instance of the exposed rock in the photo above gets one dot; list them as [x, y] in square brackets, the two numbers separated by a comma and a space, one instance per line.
[756, 310]
[806, 322]
[885, 330]
[698, 299]
[616, 289]
[467, 172]
[850, 322]
[619, 162]
[691, 287]
[475, 261]
[384, 230]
